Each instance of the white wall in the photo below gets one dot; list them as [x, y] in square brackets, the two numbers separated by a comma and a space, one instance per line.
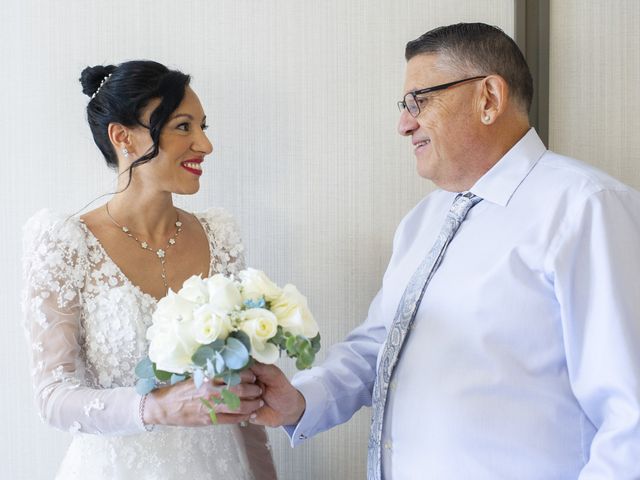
[594, 70]
[301, 99]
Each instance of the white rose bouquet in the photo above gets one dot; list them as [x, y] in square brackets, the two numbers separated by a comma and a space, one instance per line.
[215, 327]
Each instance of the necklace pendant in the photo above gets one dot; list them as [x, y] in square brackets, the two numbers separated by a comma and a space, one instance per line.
[160, 253]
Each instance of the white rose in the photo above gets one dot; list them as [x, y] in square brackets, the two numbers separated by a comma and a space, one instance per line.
[195, 290]
[171, 339]
[224, 294]
[173, 307]
[170, 354]
[293, 313]
[210, 324]
[261, 325]
[256, 284]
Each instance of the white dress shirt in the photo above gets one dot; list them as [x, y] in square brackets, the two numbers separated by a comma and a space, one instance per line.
[524, 358]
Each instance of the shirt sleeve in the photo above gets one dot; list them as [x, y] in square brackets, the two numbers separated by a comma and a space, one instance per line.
[597, 266]
[55, 265]
[335, 390]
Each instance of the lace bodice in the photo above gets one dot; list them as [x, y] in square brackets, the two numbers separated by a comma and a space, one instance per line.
[86, 322]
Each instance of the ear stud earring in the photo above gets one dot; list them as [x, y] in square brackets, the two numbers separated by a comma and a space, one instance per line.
[487, 118]
[125, 152]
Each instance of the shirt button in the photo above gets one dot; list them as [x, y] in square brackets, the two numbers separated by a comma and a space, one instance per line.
[302, 436]
[387, 445]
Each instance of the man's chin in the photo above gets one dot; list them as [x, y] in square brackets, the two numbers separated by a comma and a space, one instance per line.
[424, 170]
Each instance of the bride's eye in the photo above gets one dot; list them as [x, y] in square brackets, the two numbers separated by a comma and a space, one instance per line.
[204, 126]
[185, 127]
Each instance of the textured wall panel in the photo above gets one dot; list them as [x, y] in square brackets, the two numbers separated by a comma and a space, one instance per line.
[300, 96]
[594, 76]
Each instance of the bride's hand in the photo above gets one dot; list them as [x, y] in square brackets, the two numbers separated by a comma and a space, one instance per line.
[181, 404]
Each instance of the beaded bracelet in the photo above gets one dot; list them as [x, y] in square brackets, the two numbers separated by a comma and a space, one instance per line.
[143, 401]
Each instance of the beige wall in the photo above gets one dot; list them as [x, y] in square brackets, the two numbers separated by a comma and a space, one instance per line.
[301, 99]
[594, 107]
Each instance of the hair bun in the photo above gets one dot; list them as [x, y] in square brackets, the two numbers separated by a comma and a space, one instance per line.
[91, 77]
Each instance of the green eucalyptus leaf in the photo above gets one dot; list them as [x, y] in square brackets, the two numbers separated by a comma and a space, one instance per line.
[144, 368]
[211, 369]
[213, 417]
[290, 345]
[235, 354]
[230, 399]
[231, 378]
[161, 374]
[244, 338]
[300, 364]
[303, 344]
[278, 339]
[219, 363]
[198, 377]
[175, 378]
[145, 385]
[216, 345]
[202, 354]
[307, 357]
[315, 343]
[212, 411]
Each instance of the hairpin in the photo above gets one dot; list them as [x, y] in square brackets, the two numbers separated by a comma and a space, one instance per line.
[104, 80]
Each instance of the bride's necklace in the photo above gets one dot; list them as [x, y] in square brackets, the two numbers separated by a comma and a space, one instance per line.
[159, 252]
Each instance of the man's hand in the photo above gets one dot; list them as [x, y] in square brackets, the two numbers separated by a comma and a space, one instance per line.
[283, 404]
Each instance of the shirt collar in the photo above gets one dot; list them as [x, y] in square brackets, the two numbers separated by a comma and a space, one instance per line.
[502, 180]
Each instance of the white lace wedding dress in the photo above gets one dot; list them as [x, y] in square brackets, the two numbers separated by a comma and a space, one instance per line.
[86, 324]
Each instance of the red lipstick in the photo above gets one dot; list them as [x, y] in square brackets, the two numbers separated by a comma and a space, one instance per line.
[192, 165]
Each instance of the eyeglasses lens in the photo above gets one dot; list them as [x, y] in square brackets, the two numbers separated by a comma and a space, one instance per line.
[412, 106]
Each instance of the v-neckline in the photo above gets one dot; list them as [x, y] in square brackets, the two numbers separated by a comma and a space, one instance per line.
[127, 279]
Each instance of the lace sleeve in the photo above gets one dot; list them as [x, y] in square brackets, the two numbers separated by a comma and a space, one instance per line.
[55, 265]
[227, 251]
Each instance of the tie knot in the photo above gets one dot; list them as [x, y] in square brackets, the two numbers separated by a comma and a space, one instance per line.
[462, 204]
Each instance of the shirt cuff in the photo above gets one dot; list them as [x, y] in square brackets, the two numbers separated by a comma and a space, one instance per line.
[316, 399]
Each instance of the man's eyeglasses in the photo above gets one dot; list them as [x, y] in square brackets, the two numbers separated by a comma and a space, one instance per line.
[412, 103]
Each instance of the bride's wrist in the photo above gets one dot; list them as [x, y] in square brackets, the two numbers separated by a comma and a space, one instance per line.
[149, 414]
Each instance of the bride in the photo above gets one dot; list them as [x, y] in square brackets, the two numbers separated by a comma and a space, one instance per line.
[92, 284]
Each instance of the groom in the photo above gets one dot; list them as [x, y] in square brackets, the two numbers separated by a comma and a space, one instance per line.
[504, 342]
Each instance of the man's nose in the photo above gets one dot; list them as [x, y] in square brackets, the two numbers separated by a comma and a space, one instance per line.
[407, 123]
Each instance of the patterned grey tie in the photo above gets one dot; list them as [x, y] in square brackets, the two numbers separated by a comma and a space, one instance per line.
[403, 320]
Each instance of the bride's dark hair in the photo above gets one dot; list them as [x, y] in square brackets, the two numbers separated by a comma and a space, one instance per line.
[120, 93]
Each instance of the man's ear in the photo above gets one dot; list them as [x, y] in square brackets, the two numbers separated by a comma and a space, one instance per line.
[493, 98]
